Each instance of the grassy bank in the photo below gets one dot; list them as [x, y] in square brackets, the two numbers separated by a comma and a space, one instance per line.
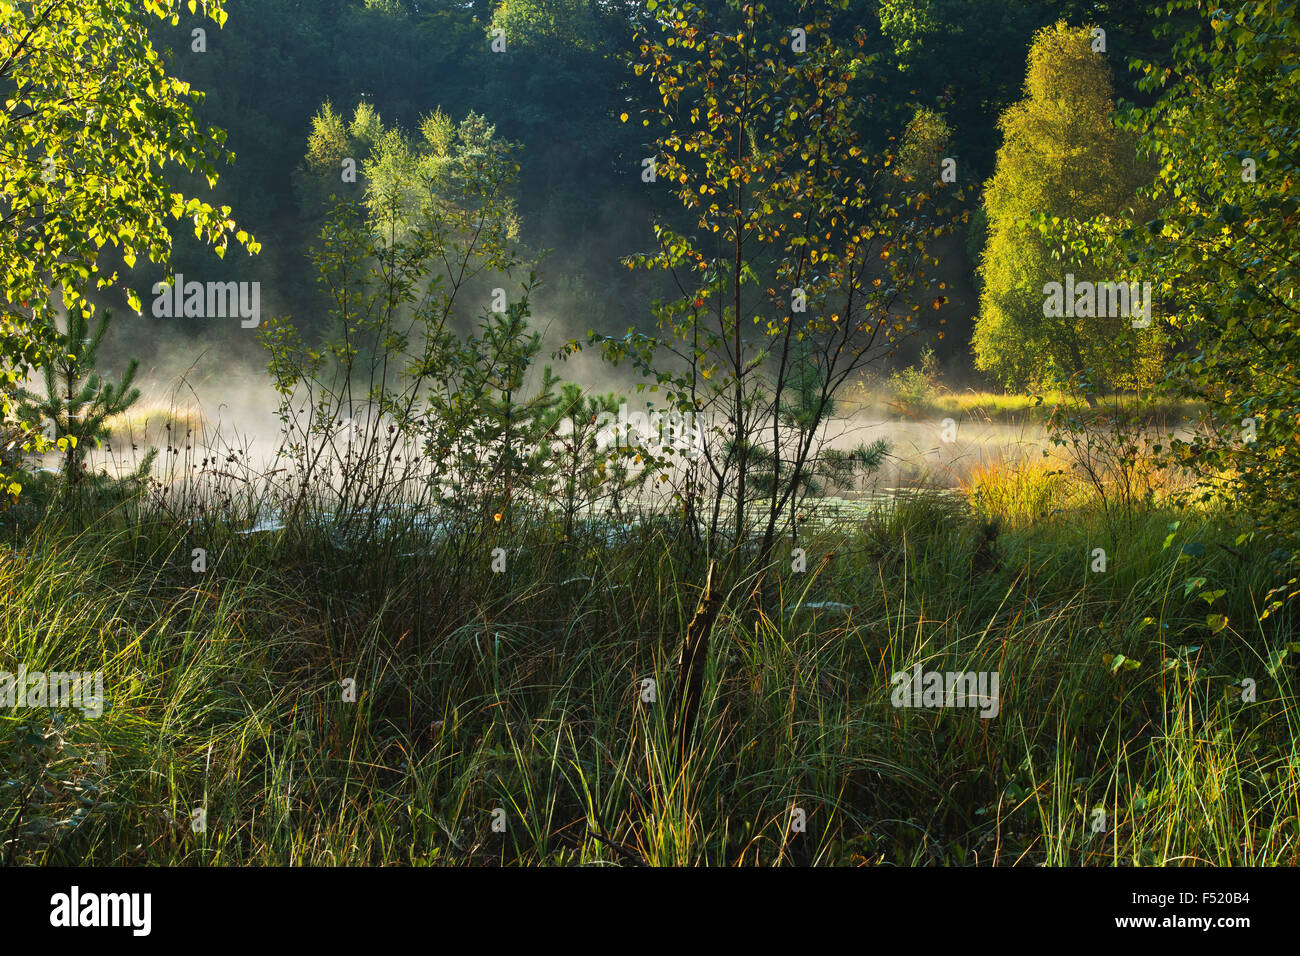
[1124, 733]
[911, 395]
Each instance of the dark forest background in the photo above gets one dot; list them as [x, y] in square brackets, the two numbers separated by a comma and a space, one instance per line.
[558, 90]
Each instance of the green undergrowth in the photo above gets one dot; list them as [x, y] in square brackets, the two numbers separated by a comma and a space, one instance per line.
[1145, 712]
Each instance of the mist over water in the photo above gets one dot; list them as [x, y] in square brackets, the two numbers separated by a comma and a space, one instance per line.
[216, 406]
[206, 394]
[919, 455]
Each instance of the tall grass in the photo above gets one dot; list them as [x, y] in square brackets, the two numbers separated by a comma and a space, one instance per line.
[505, 718]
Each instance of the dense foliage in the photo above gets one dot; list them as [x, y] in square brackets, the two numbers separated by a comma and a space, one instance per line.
[1222, 242]
[91, 120]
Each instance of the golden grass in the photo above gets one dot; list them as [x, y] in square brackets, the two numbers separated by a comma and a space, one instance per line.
[1020, 491]
[147, 423]
[1002, 406]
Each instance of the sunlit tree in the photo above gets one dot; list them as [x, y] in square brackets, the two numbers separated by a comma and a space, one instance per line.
[90, 121]
[798, 256]
[1063, 158]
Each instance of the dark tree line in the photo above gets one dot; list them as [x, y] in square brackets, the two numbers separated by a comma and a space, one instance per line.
[558, 90]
